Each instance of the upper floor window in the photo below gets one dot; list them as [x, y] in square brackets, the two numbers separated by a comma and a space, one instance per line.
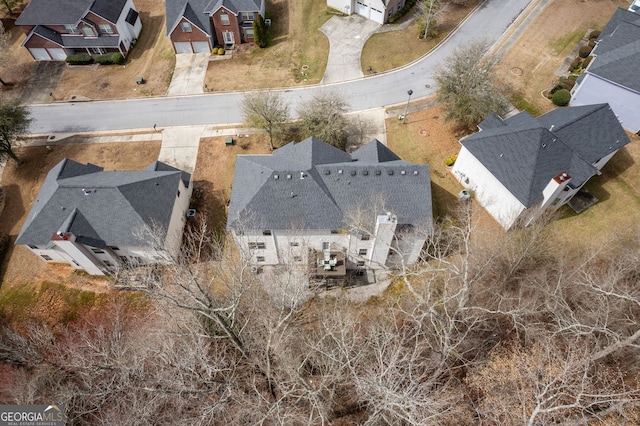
[249, 32]
[362, 252]
[255, 246]
[247, 16]
[71, 29]
[294, 244]
[266, 232]
[105, 29]
[96, 250]
[186, 27]
[31, 246]
[224, 19]
[88, 31]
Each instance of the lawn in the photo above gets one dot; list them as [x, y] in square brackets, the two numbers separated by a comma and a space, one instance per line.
[297, 41]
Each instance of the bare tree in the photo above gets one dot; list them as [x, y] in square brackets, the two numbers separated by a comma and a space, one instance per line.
[267, 111]
[5, 49]
[14, 122]
[465, 85]
[430, 11]
[323, 117]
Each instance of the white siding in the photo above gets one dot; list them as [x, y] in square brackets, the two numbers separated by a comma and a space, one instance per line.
[345, 6]
[178, 218]
[128, 32]
[624, 102]
[489, 192]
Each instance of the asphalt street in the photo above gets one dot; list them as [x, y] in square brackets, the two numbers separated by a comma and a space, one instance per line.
[488, 23]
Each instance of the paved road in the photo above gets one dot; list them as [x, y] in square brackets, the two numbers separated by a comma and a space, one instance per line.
[489, 22]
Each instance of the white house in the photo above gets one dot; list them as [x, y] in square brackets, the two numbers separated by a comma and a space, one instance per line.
[95, 220]
[520, 167]
[613, 76]
[376, 10]
[310, 202]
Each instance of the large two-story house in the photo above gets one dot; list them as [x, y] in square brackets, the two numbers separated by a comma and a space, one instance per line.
[56, 29]
[520, 167]
[195, 26]
[310, 203]
[96, 220]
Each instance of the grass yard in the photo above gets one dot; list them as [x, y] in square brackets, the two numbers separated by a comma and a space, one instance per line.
[387, 50]
[297, 41]
[530, 65]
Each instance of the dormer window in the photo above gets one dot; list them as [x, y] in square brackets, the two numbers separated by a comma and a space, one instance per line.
[247, 16]
[71, 29]
[88, 31]
[224, 19]
[105, 29]
[186, 27]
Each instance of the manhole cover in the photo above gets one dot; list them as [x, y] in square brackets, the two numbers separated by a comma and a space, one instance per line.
[305, 67]
[424, 132]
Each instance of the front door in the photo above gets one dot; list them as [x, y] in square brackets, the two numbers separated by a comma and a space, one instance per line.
[228, 37]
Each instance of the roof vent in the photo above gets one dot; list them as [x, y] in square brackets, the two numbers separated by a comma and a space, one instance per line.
[276, 176]
[378, 172]
[288, 176]
[544, 145]
[353, 172]
[390, 172]
[403, 173]
[365, 172]
[303, 175]
[552, 126]
[501, 155]
[340, 171]
[327, 172]
[415, 172]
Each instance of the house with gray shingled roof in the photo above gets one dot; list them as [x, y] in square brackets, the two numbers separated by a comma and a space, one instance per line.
[376, 10]
[520, 167]
[613, 76]
[196, 26]
[308, 200]
[56, 29]
[96, 220]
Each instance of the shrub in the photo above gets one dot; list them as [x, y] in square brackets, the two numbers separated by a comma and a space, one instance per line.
[591, 43]
[561, 97]
[586, 62]
[594, 34]
[584, 51]
[576, 63]
[566, 83]
[450, 161]
[79, 59]
[261, 33]
[109, 59]
[220, 51]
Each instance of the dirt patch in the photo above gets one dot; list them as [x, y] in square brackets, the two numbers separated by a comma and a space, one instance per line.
[152, 58]
[213, 174]
[23, 183]
[542, 48]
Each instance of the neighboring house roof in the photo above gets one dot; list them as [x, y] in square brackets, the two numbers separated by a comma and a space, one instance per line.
[102, 208]
[313, 185]
[524, 153]
[235, 6]
[193, 10]
[617, 54]
[61, 12]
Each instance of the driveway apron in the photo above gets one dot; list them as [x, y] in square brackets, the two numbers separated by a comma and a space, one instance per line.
[189, 73]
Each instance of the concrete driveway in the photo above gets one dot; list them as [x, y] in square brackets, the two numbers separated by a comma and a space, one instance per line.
[347, 36]
[180, 146]
[189, 73]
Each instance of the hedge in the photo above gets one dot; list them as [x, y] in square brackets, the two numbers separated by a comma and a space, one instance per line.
[110, 58]
[584, 51]
[79, 59]
[561, 97]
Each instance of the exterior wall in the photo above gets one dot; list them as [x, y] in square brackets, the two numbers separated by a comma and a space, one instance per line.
[128, 32]
[37, 41]
[178, 218]
[604, 160]
[625, 103]
[233, 27]
[344, 6]
[196, 35]
[489, 192]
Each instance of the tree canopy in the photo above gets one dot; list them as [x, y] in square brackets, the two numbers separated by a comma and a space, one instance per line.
[14, 121]
[324, 117]
[465, 86]
[267, 111]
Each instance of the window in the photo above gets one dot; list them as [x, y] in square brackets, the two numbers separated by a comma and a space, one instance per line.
[249, 32]
[364, 237]
[88, 31]
[96, 250]
[105, 29]
[97, 51]
[108, 264]
[186, 27]
[224, 19]
[297, 258]
[247, 16]
[325, 245]
[71, 29]
[400, 5]
[255, 246]
[178, 193]
[259, 258]
[132, 17]
[362, 252]
[360, 263]
[32, 247]
[294, 244]
[45, 257]
[266, 232]
[115, 248]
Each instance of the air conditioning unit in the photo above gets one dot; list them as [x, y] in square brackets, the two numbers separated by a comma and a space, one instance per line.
[267, 22]
[191, 214]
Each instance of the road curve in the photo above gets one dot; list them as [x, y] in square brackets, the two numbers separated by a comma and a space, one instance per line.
[488, 22]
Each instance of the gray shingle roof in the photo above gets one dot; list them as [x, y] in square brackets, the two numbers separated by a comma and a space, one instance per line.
[313, 185]
[235, 6]
[61, 12]
[526, 153]
[103, 208]
[617, 54]
[193, 10]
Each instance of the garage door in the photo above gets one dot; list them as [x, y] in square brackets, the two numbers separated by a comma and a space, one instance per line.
[40, 53]
[201, 47]
[376, 15]
[57, 54]
[362, 9]
[183, 47]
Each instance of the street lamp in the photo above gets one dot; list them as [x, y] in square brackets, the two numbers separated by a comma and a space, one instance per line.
[404, 117]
